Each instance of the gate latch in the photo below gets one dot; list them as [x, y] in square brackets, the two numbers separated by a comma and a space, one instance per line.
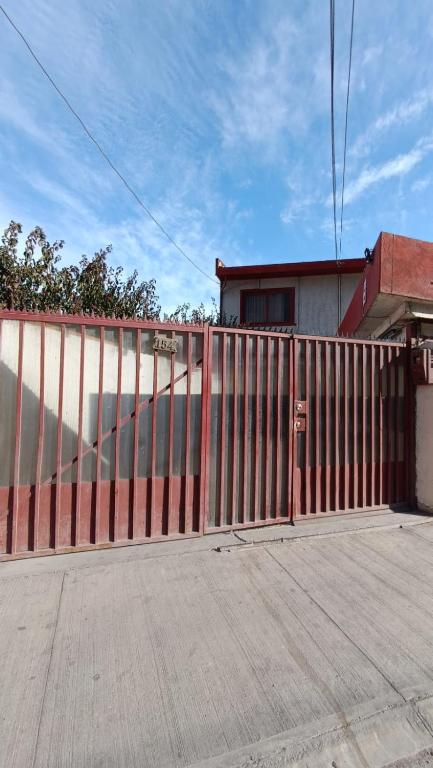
[300, 415]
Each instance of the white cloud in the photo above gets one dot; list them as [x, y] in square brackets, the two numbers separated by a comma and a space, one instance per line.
[421, 184]
[371, 53]
[397, 167]
[268, 91]
[399, 115]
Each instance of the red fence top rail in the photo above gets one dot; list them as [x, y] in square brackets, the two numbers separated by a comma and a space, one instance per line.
[58, 317]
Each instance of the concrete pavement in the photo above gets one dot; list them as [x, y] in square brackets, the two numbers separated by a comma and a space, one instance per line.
[303, 646]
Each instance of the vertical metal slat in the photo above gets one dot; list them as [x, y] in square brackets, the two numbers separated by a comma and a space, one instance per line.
[372, 427]
[268, 445]
[99, 437]
[355, 427]
[169, 511]
[307, 429]
[317, 425]
[346, 467]
[278, 510]
[59, 440]
[117, 438]
[326, 389]
[80, 437]
[40, 448]
[381, 432]
[17, 451]
[245, 435]
[134, 526]
[257, 432]
[152, 527]
[363, 425]
[235, 457]
[188, 430]
[221, 516]
[336, 425]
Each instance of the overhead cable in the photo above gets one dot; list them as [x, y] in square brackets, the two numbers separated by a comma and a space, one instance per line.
[102, 151]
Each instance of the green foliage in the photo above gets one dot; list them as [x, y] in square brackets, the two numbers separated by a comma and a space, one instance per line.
[36, 282]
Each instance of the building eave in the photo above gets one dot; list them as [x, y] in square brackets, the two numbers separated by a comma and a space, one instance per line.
[293, 269]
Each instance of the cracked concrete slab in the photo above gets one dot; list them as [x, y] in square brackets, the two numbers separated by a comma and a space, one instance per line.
[311, 652]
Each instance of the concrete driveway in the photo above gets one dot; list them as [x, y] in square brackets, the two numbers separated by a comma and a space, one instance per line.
[311, 647]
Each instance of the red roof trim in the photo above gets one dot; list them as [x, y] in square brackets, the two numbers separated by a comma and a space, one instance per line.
[296, 269]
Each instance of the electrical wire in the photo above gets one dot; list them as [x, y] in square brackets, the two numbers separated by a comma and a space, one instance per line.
[346, 121]
[334, 176]
[102, 151]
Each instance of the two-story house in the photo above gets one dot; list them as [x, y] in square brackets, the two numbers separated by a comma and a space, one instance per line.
[306, 297]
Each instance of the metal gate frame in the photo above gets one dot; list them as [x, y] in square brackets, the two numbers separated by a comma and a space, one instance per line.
[366, 463]
[281, 374]
[34, 513]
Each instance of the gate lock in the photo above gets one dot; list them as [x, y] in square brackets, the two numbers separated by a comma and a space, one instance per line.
[300, 415]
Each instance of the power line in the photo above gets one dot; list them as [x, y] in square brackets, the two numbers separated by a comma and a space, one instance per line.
[334, 177]
[346, 121]
[102, 151]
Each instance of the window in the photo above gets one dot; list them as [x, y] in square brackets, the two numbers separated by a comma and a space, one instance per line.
[268, 306]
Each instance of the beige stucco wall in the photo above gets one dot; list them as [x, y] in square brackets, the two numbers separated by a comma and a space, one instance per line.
[316, 299]
[424, 447]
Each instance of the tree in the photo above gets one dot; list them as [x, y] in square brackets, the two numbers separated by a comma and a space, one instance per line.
[35, 281]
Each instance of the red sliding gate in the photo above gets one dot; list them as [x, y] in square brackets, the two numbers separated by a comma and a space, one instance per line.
[304, 426]
[100, 440]
[116, 432]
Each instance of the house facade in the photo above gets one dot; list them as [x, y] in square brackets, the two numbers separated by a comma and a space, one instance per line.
[303, 297]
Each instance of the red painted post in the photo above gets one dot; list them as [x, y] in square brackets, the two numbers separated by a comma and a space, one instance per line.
[188, 430]
[346, 502]
[381, 435]
[206, 402]
[372, 427]
[364, 425]
[336, 425]
[327, 391]
[167, 515]
[291, 437]
[257, 433]
[221, 516]
[99, 435]
[59, 439]
[40, 448]
[134, 526]
[397, 359]
[277, 438]
[295, 483]
[235, 458]
[17, 453]
[307, 463]
[245, 472]
[268, 445]
[318, 425]
[389, 425]
[80, 438]
[117, 435]
[152, 529]
[355, 427]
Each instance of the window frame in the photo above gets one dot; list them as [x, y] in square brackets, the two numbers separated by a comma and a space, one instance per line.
[289, 290]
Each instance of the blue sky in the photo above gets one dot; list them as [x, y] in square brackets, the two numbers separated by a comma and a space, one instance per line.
[217, 112]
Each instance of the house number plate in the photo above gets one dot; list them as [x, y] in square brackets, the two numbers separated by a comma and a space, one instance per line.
[164, 344]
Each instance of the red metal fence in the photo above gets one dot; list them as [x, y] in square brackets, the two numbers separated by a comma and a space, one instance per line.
[303, 426]
[100, 440]
[106, 440]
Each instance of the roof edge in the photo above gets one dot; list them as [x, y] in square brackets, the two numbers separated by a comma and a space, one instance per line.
[291, 269]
